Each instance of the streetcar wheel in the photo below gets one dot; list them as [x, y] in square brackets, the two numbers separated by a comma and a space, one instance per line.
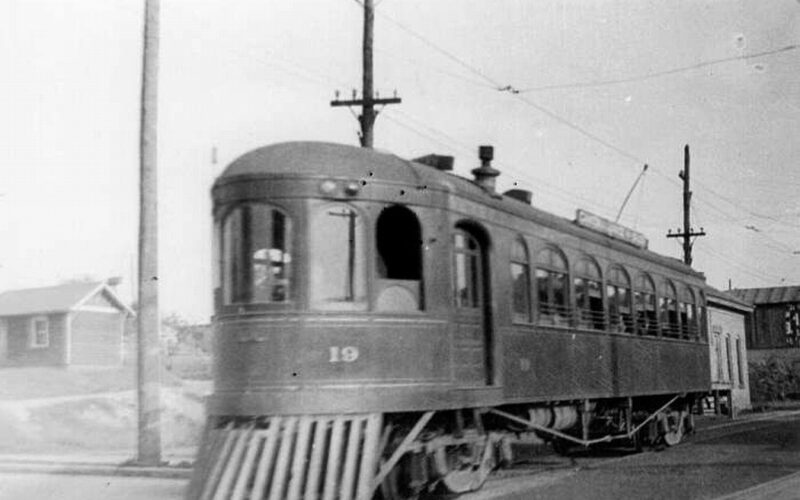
[396, 484]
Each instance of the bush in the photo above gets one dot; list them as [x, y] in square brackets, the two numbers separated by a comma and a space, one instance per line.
[773, 380]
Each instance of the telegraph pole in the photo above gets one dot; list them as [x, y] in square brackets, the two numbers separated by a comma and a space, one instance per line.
[148, 362]
[368, 99]
[688, 232]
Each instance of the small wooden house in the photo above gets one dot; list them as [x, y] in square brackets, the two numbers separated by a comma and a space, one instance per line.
[64, 325]
[775, 330]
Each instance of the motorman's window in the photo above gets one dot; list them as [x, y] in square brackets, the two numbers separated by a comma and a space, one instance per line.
[670, 321]
[337, 258]
[552, 287]
[399, 260]
[467, 252]
[688, 313]
[256, 255]
[520, 282]
[645, 299]
[589, 294]
[618, 292]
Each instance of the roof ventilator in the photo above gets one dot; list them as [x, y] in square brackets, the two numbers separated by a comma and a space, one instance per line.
[485, 175]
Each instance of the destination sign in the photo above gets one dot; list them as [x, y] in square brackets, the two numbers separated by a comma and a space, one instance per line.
[610, 228]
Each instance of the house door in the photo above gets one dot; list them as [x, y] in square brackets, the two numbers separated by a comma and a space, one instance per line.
[472, 337]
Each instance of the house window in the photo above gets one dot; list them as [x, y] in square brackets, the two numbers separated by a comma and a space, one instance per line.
[552, 287]
[520, 282]
[740, 362]
[589, 295]
[40, 332]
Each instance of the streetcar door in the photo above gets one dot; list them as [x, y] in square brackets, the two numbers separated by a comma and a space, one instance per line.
[472, 354]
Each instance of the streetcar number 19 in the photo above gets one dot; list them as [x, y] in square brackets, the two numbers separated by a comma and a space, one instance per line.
[346, 354]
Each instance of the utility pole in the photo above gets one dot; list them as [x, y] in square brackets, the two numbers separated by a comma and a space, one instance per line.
[688, 232]
[368, 99]
[148, 397]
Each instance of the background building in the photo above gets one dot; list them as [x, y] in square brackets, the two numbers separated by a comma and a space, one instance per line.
[728, 318]
[71, 324]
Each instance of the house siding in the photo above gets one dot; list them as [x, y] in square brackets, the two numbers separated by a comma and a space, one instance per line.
[96, 338]
[728, 354]
[20, 352]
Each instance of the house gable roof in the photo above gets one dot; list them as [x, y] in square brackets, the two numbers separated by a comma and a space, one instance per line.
[770, 295]
[54, 299]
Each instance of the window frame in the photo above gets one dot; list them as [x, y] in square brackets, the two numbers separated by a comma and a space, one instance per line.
[473, 267]
[33, 338]
[522, 261]
[669, 314]
[588, 275]
[646, 328]
[618, 278]
[552, 272]
[226, 292]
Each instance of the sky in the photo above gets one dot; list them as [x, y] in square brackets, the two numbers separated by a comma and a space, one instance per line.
[593, 91]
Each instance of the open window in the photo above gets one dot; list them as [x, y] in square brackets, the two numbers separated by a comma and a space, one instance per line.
[552, 287]
[255, 255]
[670, 320]
[645, 299]
[589, 294]
[688, 313]
[618, 293]
[399, 260]
[336, 244]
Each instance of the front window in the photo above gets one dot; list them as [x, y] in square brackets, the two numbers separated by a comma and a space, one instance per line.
[337, 258]
[256, 255]
[398, 242]
[552, 287]
[39, 332]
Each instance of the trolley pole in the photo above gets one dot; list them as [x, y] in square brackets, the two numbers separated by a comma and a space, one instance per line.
[688, 232]
[148, 397]
[368, 99]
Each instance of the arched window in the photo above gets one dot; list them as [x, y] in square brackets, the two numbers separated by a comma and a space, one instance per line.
[670, 321]
[468, 273]
[589, 294]
[688, 313]
[255, 255]
[399, 260]
[552, 287]
[618, 293]
[645, 299]
[337, 258]
[520, 282]
[703, 318]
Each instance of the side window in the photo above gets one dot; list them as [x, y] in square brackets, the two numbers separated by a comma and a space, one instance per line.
[338, 279]
[520, 282]
[552, 287]
[589, 295]
[702, 316]
[645, 299]
[618, 295]
[467, 276]
[688, 313]
[399, 260]
[670, 322]
[255, 255]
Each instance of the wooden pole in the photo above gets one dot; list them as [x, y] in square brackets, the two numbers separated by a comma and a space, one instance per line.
[687, 207]
[148, 397]
[368, 110]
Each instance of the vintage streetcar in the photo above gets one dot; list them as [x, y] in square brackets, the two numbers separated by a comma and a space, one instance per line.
[385, 328]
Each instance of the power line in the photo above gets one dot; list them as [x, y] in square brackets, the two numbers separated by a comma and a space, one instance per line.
[657, 74]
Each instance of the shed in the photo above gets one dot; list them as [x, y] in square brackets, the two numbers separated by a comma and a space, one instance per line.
[728, 318]
[775, 330]
[64, 325]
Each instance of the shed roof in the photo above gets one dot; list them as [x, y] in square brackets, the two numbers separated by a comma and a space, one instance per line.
[51, 299]
[769, 295]
[728, 299]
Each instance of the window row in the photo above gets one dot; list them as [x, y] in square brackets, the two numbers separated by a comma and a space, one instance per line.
[587, 300]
